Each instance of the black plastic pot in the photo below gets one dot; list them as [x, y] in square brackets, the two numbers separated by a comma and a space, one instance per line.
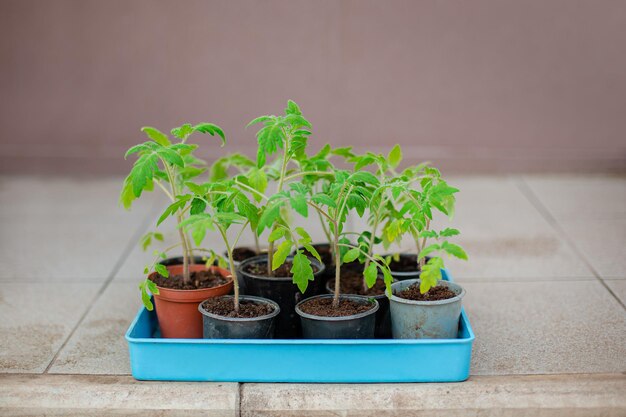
[402, 275]
[220, 327]
[383, 317]
[283, 291]
[178, 260]
[357, 326]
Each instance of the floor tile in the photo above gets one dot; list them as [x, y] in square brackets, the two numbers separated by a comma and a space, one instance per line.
[619, 288]
[505, 236]
[98, 345]
[36, 320]
[602, 242]
[581, 198]
[545, 328]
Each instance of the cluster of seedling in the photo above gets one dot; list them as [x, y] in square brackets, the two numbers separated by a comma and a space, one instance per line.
[264, 196]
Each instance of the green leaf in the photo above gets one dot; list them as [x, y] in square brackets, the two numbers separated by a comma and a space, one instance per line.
[428, 234]
[298, 203]
[197, 206]
[324, 199]
[303, 233]
[162, 270]
[370, 275]
[211, 129]
[351, 255]
[171, 156]
[152, 287]
[454, 250]
[292, 108]
[364, 176]
[276, 234]
[156, 135]
[395, 156]
[282, 251]
[268, 217]
[258, 120]
[145, 297]
[302, 271]
[183, 131]
[312, 251]
[447, 232]
[428, 250]
[257, 180]
[430, 274]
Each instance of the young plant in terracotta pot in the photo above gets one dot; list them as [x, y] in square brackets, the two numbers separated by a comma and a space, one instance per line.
[217, 206]
[341, 316]
[428, 307]
[286, 135]
[177, 288]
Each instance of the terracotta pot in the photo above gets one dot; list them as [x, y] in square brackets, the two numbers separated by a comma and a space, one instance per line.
[177, 310]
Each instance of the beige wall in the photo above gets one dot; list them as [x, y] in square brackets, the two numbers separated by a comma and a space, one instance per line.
[473, 85]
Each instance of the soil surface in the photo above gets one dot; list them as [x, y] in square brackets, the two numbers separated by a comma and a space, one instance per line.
[405, 264]
[352, 282]
[241, 254]
[226, 308]
[199, 280]
[434, 294]
[323, 307]
[281, 272]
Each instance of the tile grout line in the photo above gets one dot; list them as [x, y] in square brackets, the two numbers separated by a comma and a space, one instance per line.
[543, 210]
[116, 267]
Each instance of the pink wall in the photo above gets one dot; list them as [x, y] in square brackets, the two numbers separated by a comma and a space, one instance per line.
[481, 85]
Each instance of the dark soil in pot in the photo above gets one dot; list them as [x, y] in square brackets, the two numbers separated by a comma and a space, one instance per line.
[354, 318]
[434, 294]
[352, 283]
[255, 319]
[199, 279]
[324, 307]
[226, 308]
[178, 260]
[242, 253]
[279, 288]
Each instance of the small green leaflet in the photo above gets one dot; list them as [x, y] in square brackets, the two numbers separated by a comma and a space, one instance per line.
[257, 180]
[370, 275]
[302, 271]
[298, 203]
[162, 270]
[311, 250]
[211, 129]
[282, 251]
[351, 255]
[431, 274]
[268, 217]
[156, 135]
[276, 234]
[324, 199]
[395, 156]
[454, 250]
[447, 232]
[428, 250]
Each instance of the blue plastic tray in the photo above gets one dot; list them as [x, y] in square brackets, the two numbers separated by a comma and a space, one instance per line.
[296, 360]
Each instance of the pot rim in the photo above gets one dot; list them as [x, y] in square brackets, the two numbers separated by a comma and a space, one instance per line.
[342, 318]
[211, 268]
[263, 259]
[410, 282]
[331, 290]
[242, 319]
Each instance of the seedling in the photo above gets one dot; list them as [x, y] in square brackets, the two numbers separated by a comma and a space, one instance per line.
[411, 211]
[289, 133]
[169, 166]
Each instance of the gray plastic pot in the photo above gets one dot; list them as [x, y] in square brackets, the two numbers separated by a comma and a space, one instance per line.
[283, 291]
[220, 327]
[357, 326]
[425, 319]
[383, 319]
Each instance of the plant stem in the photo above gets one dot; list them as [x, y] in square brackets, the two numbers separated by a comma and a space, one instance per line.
[281, 180]
[370, 250]
[257, 247]
[231, 264]
[181, 232]
[337, 267]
